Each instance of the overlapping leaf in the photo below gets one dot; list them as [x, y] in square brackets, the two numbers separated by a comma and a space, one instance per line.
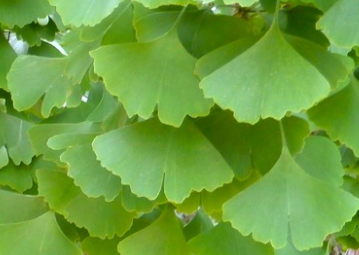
[43, 76]
[223, 239]
[100, 218]
[342, 31]
[282, 204]
[14, 141]
[40, 236]
[7, 57]
[82, 12]
[149, 154]
[96, 246]
[22, 12]
[338, 115]
[129, 73]
[258, 84]
[162, 237]
[16, 177]
[157, 3]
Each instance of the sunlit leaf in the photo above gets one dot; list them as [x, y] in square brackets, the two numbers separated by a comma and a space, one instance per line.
[170, 84]
[156, 3]
[82, 12]
[338, 115]
[272, 208]
[22, 12]
[13, 135]
[163, 237]
[100, 218]
[43, 76]
[338, 29]
[149, 154]
[224, 240]
[39, 236]
[255, 91]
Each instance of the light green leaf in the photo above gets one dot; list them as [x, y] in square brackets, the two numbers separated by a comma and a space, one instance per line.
[254, 89]
[22, 12]
[43, 76]
[147, 154]
[338, 116]
[170, 84]
[156, 3]
[289, 202]
[7, 57]
[88, 174]
[84, 12]
[241, 2]
[290, 250]
[96, 246]
[4, 158]
[40, 236]
[16, 177]
[342, 31]
[224, 240]
[13, 135]
[102, 219]
[162, 237]
[15, 208]
[321, 159]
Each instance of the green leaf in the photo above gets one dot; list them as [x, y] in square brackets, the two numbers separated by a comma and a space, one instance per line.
[170, 84]
[163, 237]
[104, 220]
[290, 250]
[338, 116]
[200, 223]
[324, 149]
[147, 154]
[44, 76]
[22, 12]
[80, 12]
[157, 3]
[241, 2]
[337, 28]
[40, 236]
[96, 246]
[223, 239]
[255, 91]
[323, 5]
[13, 135]
[16, 177]
[283, 203]
[88, 174]
[7, 57]
[15, 208]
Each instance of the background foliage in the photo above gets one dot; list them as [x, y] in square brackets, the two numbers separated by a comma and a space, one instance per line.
[179, 127]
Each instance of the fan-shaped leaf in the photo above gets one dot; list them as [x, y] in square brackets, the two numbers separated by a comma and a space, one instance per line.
[289, 202]
[39, 236]
[342, 31]
[162, 237]
[100, 218]
[16, 177]
[146, 153]
[170, 84]
[84, 12]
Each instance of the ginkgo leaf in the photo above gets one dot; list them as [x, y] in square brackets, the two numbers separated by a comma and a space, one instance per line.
[282, 204]
[96, 246]
[100, 218]
[257, 83]
[329, 167]
[43, 76]
[336, 28]
[7, 57]
[16, 177]
[224, 240]
[148, 154]
[162, 237]
[39, 236]
[290, 250]
[170, 84]
[338, 116]
[12, 207]
[22, 12]
[84, 12]
[13, 135]
[156, 3]
[200, 223]
[88, 174]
